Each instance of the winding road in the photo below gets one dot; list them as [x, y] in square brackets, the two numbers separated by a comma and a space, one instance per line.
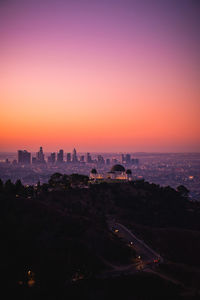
[146, 255]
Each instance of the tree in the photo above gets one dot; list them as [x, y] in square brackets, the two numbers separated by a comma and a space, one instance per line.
[9, 186]
[78, 179]
[65, 181]
[1, 185]
[44, 187]
[55, 178]
[19, 186]
[183, 191]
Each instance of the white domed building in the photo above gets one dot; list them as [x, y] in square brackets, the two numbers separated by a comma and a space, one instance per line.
[117, 172]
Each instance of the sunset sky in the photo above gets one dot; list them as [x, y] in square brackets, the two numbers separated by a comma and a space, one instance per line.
[107, 75]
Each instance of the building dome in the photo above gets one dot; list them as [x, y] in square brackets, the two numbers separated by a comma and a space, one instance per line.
[117, 168]
[94, 171]
[129, 172]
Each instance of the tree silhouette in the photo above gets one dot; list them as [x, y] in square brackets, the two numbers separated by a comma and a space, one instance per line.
[183, 191]
[19, 188]
[1, 185]
[9, 186]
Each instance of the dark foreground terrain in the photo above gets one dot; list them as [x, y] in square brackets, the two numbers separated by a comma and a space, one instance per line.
[56, 242]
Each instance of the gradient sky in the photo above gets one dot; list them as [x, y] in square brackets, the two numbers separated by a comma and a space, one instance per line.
[105, 75]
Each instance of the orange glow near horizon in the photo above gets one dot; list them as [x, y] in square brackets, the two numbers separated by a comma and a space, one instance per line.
[97, 93]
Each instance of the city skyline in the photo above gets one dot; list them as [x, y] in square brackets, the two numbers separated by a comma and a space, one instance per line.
[25, 157]
[169, 169]
[101, 75]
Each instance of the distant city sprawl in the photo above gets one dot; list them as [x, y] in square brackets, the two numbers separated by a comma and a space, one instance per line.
[171, 169]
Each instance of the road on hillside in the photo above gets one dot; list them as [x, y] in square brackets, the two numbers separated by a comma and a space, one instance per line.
[146, 256]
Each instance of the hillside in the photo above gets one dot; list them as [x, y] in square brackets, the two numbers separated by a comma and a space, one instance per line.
[56, 235]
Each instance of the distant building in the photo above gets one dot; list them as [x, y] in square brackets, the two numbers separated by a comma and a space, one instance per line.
[14, 162]
[74, 156]
[135, 161]
[40, 156]
[114, 161]
[123, 159]
[69, 157]
[107, 161]
[128, 158]
[82, 158]
[60, 156]
[89, 158]
[100, 160]
[24, 157]
[34, 160]
[52, 158]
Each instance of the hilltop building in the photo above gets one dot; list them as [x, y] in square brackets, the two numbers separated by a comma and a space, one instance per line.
[117, 172]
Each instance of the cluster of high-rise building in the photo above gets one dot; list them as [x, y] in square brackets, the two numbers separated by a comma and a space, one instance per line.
[126, 159]
[24, 157]
[52, 158]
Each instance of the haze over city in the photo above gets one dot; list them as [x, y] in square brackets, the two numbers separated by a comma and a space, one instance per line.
[100, 75]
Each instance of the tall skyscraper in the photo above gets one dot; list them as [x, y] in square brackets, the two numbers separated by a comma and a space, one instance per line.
[24, 157]
[89, 158]
[74, 156]
[52, 157]
[40, 156]
[20, 156]
[60, 156]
